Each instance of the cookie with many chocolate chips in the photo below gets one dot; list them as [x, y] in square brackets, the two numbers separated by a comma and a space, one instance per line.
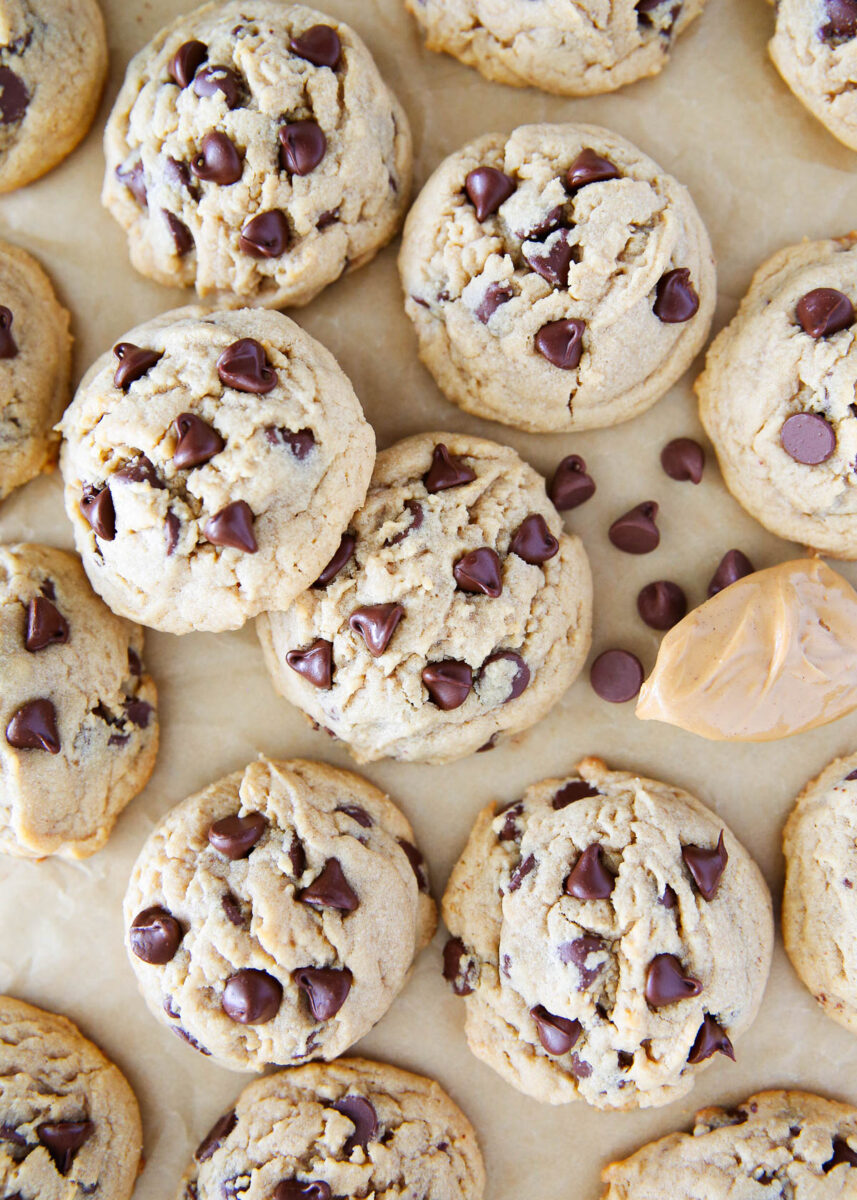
[212, 461]
[273, 917]
[69, 1122]
[557, 278]
[255, 150]
[349, 1128]
[792, 1144]
[777, 396]
[571, 47]
[78, 722]
[609, 935]
[456, 610]
[814, 48]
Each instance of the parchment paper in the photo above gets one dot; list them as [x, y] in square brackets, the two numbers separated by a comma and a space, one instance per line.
[763, 174]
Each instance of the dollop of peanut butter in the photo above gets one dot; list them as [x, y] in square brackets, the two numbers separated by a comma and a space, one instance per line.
[771, 655]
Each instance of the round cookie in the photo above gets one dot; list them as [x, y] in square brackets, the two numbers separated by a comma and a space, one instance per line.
[777, 391]
[455, 610]
[255, 150]
[610, 935]
[211, 462]
[273, 917]
[35, 364]
[77, 708]
[350, 1128]
[557, 278]
[571, 47]
[54, 64]
[70, 1123]
[791, 1144]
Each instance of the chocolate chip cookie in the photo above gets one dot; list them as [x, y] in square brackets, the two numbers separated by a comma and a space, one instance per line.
[254, 149]
[350, 1128]
[814, 48]
[69, 1123]
[610, 935]
[77, 708]
[273, 917]
[572, 47]
[35, 364]
[790, 1144]
[557, 278]
[455, 609]
[211, 462]
[777, 392]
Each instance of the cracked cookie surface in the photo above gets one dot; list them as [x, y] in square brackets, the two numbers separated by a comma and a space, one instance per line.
[273, 917]
[609, 934]
[254, 150]
[814, 48]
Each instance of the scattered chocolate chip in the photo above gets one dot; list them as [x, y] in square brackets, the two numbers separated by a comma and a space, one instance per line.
[251, 997]
[232, 908]
[448, 683]
[315, 663]
[577, 953]
[625, 1059]
[233, 526]
[302, 146]
[842, 20]
[547, 224]
[706, 866]
[172, 525]
[134, 363]
[842, 1153]
[669, 899]
[479, 571]
[178, 174]
[520, 680]
[357, 813]
[683, 459]
[576, 789]
[734, 565]
[34, 727]
[376, 624]
[511, 831]
[340, 559]
[63, 1139]
[134, 179]
[561, 343]
[186, 62]
[216, 1136]
[140, 470]
[319, 45]
[330, 889]
[327, 218]
[8, 345]
[676, 300]
[446, 471]
[552, 259]
[556, 1034]
[635, 532]
[662, 604]
[155, 936]
[138, 712]
[666, 982]
[14, 97]
[533, 541]
[325, 988]
[266, 235]
[244, 366]
[808, 438]
[590, 878]
[416, 511]
[363, 1117]
[711, 1039]
[8, 1133]
[218, 160]
[46, 626]
[495, 295]
[824, 311]
[119, 739]
[570, 486]
[297, 857]
[590, 167]
[616, 675]
[579, 1068]
[417, 862]
[235, 836]
[179, 232]
[211, 80]
[487, 188]
[198, 442]
[297, 1189]
[521, 871]
[300, 442]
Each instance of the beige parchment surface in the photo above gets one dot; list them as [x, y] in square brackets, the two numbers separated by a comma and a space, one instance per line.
[763, 174]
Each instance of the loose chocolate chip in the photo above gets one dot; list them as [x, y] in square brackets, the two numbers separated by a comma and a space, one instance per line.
[233, 526]
[138, 712]
[561, 343]
[300, 442]
[63, 1139]
[446, 471]
[234, 837]
[487, 188]
[520, 680]
[214, 79]
[302, 146]
[635, 532]
[340, 559]
[218, 160]
[590, 167]
[197, 441]
[521, 871]
[376, 624]
[140, 470]
[734, 565]
[683, 459]
[495, 295]
[669, 899]
[356, 813]
[706, 866]
[662, 604]
[824, 311]
[577, 953]
[842, 1153]
[232, 908]
[552, 260]
[297, 1189]
[417, 862]
[666, 982]
[186, 62]
[134, 363]
[676, 300]
[244, 366]
[315, 663]
[8, 345]
[319, 45]
[34, 727]
[479, 571]
[808, 438]
[251, 997]
[155, 936]
[576, 789]
[134, 179]
[616, 675]
[331, 889]
[46, 626]
[533, 541]
[590, 878]
[266, 235]
[711, 1039]
[363, 1117]
[215, 1137]
[14, 97]
[556, 1034]
[448, 683]
[416, 511]
[179, 232]
[571, 486]
[458, 967]
[325, 988]
[172, 525]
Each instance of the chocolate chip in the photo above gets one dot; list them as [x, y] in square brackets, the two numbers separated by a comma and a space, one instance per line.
[417, 862]
[842, 1153]
[446, 471]
[233, 526]
[533, 541]
[138, 712]
[315, 663]
[214, 79]
[808, 438]
[63, 1139]
[635, 532]
[556, 1034]
[706, 866]
[8, 345]
[134, 179]
[842, 20]
[487, 188]
[155, 936]
[215, 1137]
[34, 727]
[232, 908]
[186, 62]
[543, 226]
[553, 259]
[331, 889]
[357, 813]
[134, 363]
[669, 899]
[244, 366]
[198, 442]
[172, 525]
[179, 232]
[140, 470]
[683, 459]
[576, 789]
[853, 775]
[416, 511]
[734, 565]
[521, 871]
[616, 675]
[191, 1041]
[676, 300]
[319, 45]
[46, 626]
[218, 160]
[300, 442]
[235, 836]
[8, 1133]
[251, 997]
[302, 146]
[296, 1189]
[625, 1059]
[577, 953]
[590, 878]
[520, 680]
[561, 343]
[340, 559]
[458, 967]
[325, 988]
[363, 1117]
[666, 982]
[266, 235]
[376, 624]
[711, 1039]
[479, 571]
[662, 604]
[570, 486]
[14, 97]
[448, 683]
[297, 857]
[824, 311]
[495, 295]
[590, 167]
